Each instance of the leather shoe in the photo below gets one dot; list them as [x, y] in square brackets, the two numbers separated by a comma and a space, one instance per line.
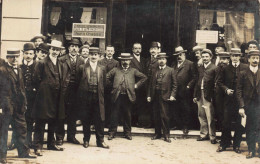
[102, 145]
[38, 152]
[110, 137]
[185, 131]
[202, 138]
[237, 150]
[250, 155]
[128, 137]
[27, 156]
[221, 148]
[54, 147]
[3, 160]
[156, 137]
[167, 139]
[85, 144]
[73, 140]
[213, 141]
[59, 142]
[11, 146]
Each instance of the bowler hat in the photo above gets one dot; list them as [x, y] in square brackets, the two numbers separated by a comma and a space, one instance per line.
[28, 46]
[84, 46]
[221, 44]
[75, 41]
[56, 43]
[224, 54]
[38, 36]
[125, 56]
[197, 48]
[155, 44]
[44, 47]
[179, 50]
[206, 51]
[12, 52]
[253, 53]
[235, 51]
[253, 42]
[161, 55]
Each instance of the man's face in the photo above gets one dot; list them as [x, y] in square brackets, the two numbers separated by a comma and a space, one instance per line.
[110, 51]
[252, 47]
[181, 57]
[93, 57]
[125, 63]
[137, 49]
[253, 60]
[28, 55]
[162, 61]
[13, 60]
[219, 49]
[154, 51]
[224, 60]
[206, 58]
[40, 54]
[85, 53]
[73, 49]
[198, 55]
[54, 51]
[235, 58]
[38, 41]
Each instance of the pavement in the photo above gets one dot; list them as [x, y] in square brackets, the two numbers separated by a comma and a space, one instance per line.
[141, 150]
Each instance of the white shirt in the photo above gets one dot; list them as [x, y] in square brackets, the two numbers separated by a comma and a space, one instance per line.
[202, 81]
[179, 64]
[217, 60]
[137, 57]
[253, 69]
[109, 58]
[53, 59]
[85, 60]
[73, 58]
[93, 65]
[28, 64]
[206, 65]
[237, 64]
[162, 67]
[125, 68]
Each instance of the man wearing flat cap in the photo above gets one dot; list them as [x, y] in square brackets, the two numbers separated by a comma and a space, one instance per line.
[203, 96]
[126, 81]
[13, 106]
[70, 67]
[186, 74]
[92, 81]
[248, 95]
[162, 89]
[227, 82]
[49, 102]
[38, 39]
[42, 51]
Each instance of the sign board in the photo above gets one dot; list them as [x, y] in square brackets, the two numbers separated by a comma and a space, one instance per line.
[87, 30]
[206, 36]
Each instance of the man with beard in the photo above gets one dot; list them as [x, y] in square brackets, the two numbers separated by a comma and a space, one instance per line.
[186, 75]
[227, 82]
[42, 51]
[38, 39]
[109, 63]
[126, 81]
[49, 105]
[12, 106]
[138, 62]
[70, 67]
[162, 88]
[248, 95]
[203, 95]
[84, 52]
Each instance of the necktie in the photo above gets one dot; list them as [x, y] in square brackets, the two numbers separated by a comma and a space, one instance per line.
[15, 69]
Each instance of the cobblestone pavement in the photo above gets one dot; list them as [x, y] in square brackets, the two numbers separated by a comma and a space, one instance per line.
[140, 150]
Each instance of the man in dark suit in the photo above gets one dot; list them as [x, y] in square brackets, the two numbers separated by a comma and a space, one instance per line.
[2, 62]
[162, 88]
[49, 103]
[123, 96]
[138, 62]
[109, 63]
[92, 78]
[227, 82]
[203, 95]
[248, 95]
[70, 67]
[12, 106]
[186, 75]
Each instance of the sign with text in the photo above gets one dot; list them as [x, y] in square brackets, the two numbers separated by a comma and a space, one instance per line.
[88, 30]
[206, 36]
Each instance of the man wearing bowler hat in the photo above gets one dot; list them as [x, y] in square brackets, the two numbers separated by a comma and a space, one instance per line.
[42, 51]
[162, 89]
[126, 80]
[38, 39]
[70, 66]
[90, 94]
[49, 102]
[248, 95]
[227, 82]
[13, 106]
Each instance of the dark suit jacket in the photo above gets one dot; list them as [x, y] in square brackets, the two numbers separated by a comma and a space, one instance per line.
[109, 64]
[209, 76]
[84, 76]
[117, 75]
[140, 66]
[245, 87]
[169, 83]
[186, 75]
[2, 62]
[49, 102]
[12, 92]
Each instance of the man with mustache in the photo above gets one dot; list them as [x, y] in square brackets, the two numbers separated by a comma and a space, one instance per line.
[126, 81]
[248, 95]
[70, 67]
[186, 75]
[42, 51]
[203, 95]
[109, 63]
[49, 104]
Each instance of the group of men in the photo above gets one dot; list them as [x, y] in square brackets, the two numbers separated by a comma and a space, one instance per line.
[52, 88]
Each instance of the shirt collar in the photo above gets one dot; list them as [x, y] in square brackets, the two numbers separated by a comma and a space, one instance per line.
[73, 57]
[109, 58]
[237, 64]
[13, 66]
[206, 65]
[53, 59]
[137, 57]
[125, 67]
[162, 67]
[253, 69]
[26, 63]
[93, 65]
